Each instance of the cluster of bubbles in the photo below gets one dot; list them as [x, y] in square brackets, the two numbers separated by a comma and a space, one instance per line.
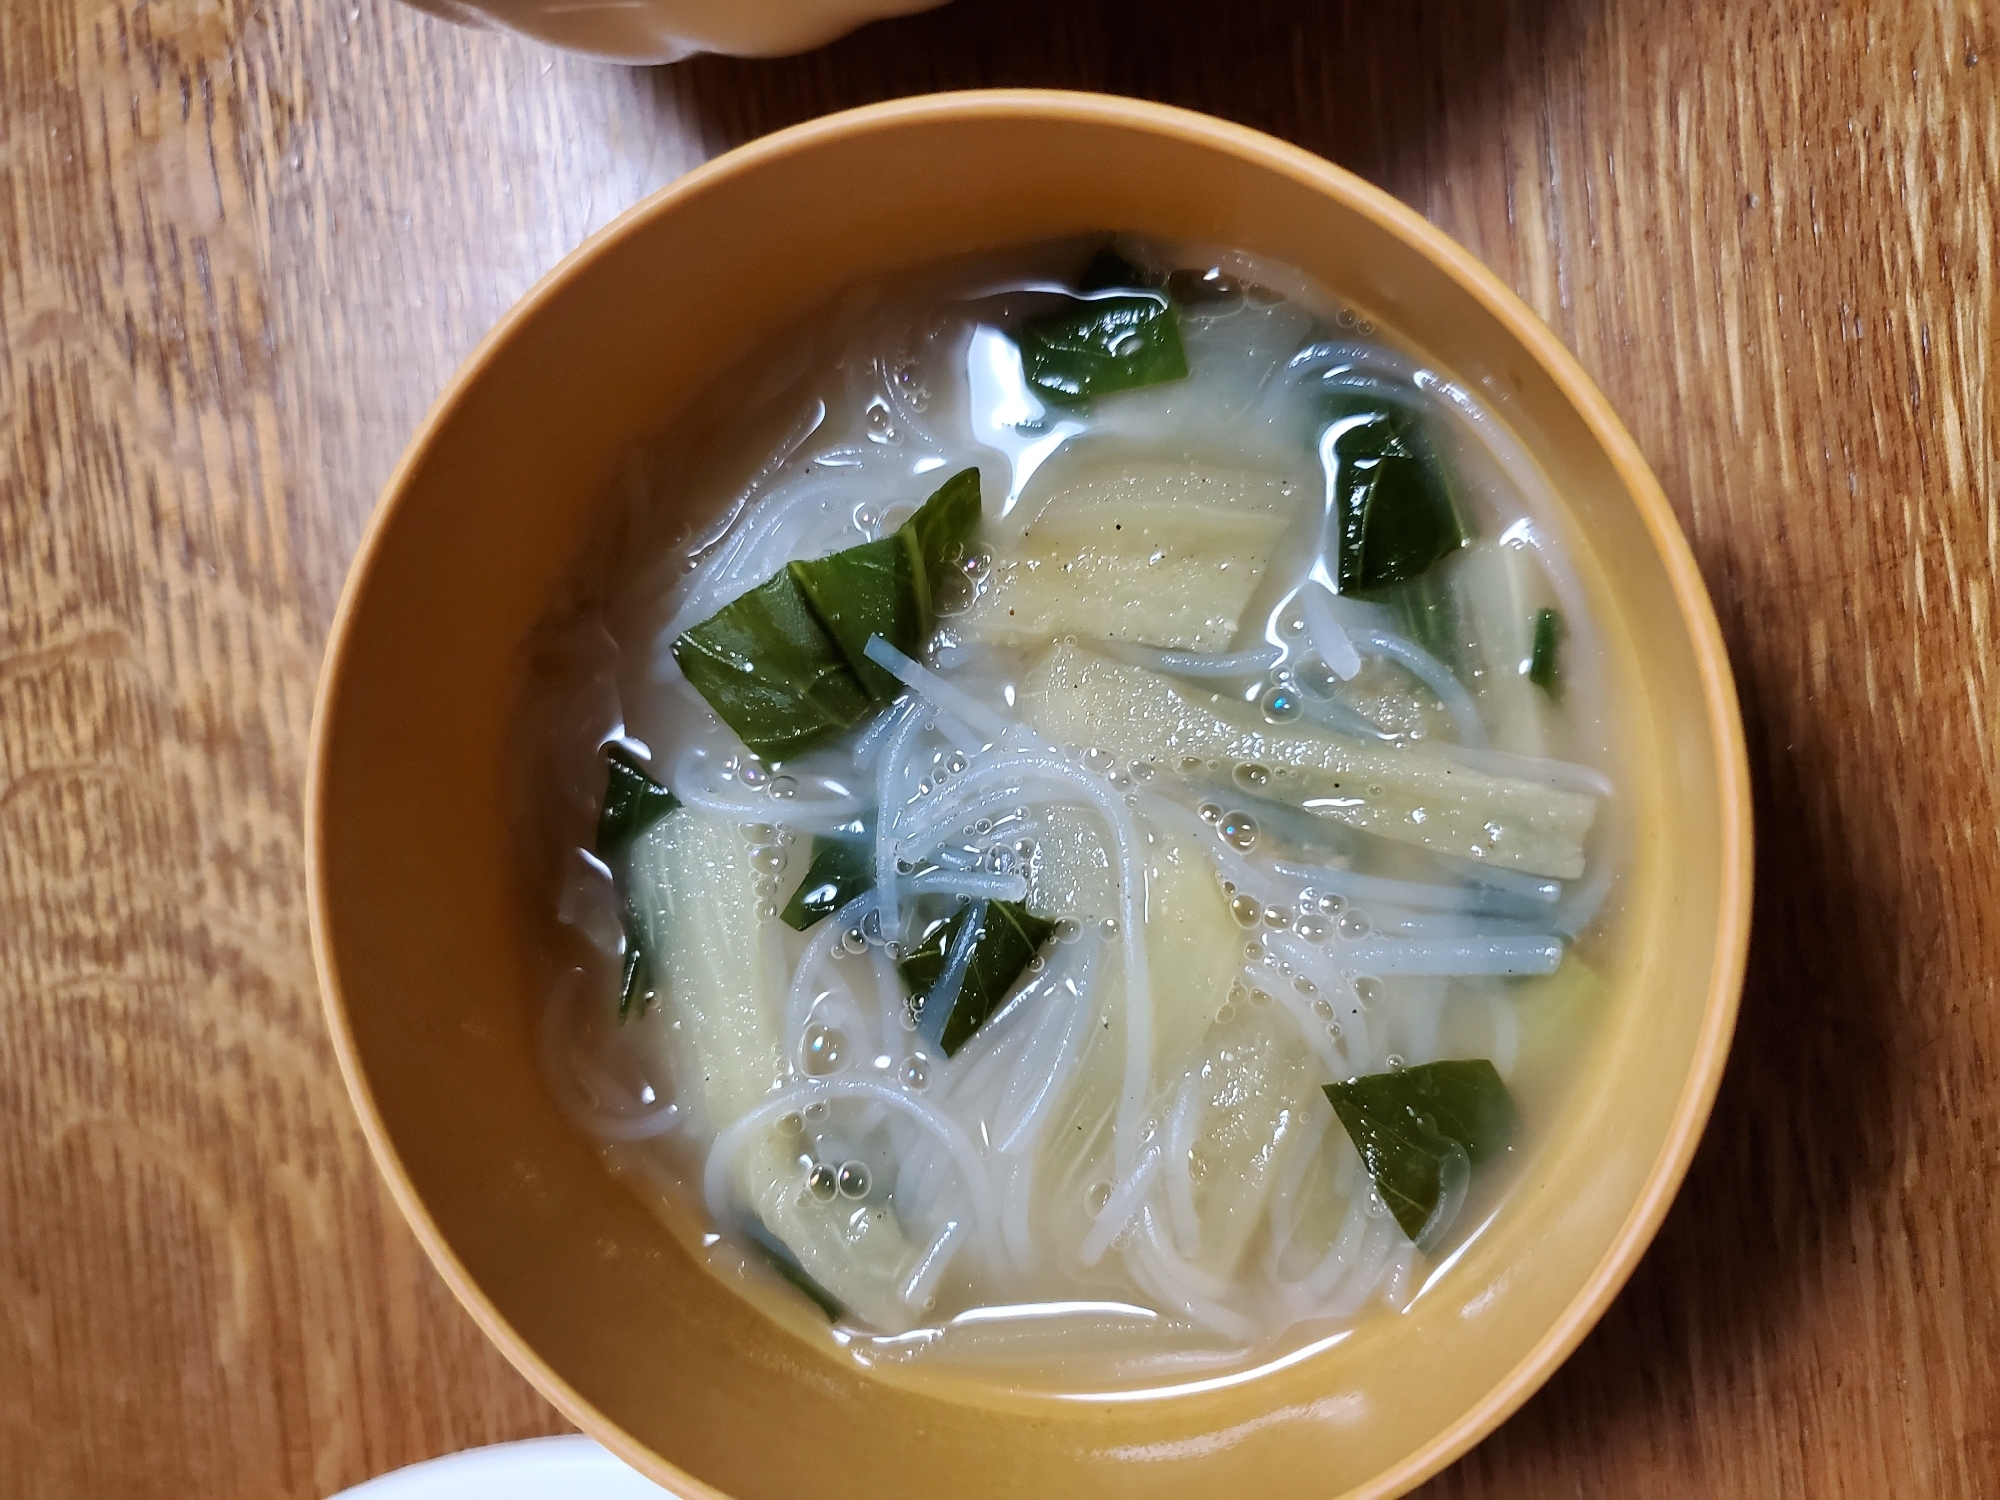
[1234, 826]
[1236, 829]
[1314, 916]
[954, 592]
[824, 1050]
[823, 1179]
[1303, 676]
[1101, 762]
[769, 853]
[1308, 674]
[748, 770]
[907, 381]
[987, 843]
[768, 842]
[1242, 995]
[826, 1182]
[942, 770]
[881, 422]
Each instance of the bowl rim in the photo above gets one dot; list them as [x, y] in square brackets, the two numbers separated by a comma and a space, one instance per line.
[1256, 148]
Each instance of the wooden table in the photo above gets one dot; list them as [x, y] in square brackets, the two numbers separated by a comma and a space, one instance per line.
[244, 242]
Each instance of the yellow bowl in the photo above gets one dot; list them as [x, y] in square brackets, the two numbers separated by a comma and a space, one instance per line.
[424, 929]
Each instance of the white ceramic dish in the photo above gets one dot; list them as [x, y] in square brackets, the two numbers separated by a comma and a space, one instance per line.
[659, 31]
[557, 1468]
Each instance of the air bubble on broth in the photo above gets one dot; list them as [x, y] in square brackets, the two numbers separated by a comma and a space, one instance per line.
[1373, 828]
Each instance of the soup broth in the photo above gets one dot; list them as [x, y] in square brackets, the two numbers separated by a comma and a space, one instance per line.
[1080, 796]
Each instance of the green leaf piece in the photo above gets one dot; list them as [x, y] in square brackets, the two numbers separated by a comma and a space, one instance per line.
[1420, 1129]
[943, 527]
[1210, 290]
[786, 664]
[1425, 609]
[768, 666]
[633, 802]
[1544, 670]
[1006, 936]
[873, 589]
[1108, 270]
[840, 870]
[780, 1259]
[1101, 344]
[1393, 503]
[1193, 287]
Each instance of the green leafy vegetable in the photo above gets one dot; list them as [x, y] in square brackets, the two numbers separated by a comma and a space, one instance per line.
[840, 870]
[886, 588]
[873, 589]
[785, 665]
[1103, 343]
[781, 1259]
[1193, 287]
[942, 527]
[1004, 936]
[1393, 504]
[1212, 289]
[1422, 1129]
[1426, 610]
[1108, 270]
[633, 802]
[768, 666]
[1544, 671]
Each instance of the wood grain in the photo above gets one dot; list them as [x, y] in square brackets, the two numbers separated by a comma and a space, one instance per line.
[244, 242]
